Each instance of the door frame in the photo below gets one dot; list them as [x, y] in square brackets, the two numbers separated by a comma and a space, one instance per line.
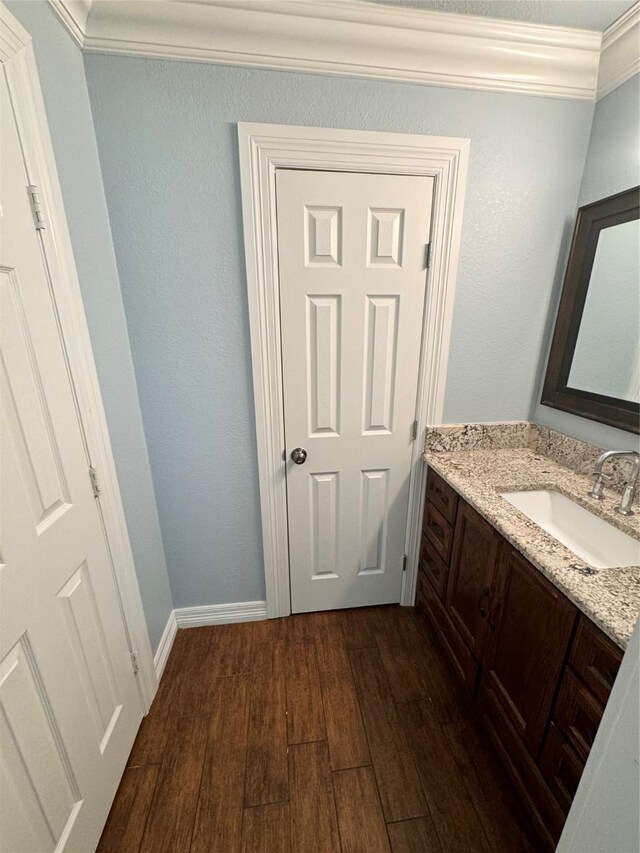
[263, 148]
[17, 59]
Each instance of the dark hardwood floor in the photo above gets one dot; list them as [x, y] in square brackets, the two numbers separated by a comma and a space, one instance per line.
[338, 731]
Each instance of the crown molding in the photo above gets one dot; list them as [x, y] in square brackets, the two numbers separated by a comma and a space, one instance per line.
[347, 37]
[13, 36]
[361, 39]
[620, 57]
[74, 15]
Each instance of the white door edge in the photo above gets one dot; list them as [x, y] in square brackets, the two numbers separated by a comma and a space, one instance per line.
[18, 62]
[263, 148]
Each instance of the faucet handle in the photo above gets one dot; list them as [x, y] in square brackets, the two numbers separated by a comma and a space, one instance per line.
[598, 486]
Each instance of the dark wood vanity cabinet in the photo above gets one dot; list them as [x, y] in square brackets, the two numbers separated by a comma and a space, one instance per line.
[539, 672]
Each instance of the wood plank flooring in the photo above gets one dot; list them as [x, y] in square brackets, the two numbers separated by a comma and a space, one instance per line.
[340, 731]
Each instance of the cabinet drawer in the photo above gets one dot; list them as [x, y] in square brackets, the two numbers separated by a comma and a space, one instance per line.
[561, 767]
[459, 655]
[595, 658]
[438, 531]
[433, 567]
[578, 713]
[442, 495]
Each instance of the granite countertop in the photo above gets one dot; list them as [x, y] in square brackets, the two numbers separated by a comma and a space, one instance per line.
[610, 597]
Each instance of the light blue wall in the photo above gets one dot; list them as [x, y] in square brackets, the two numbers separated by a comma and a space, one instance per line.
[167, 139]
[613, 156]
[68, 110]
[612, 165]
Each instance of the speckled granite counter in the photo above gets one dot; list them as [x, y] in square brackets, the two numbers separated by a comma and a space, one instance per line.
[610, 597]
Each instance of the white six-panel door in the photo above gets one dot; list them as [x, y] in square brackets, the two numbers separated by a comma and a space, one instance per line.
[69, 703]
[352, 263]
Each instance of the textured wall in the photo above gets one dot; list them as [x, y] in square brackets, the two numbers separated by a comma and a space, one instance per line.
[612, 165]
[563, 13]
[167, 139]
[69, 116]
[613, 157]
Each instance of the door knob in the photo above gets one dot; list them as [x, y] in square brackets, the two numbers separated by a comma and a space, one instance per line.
[299, 455]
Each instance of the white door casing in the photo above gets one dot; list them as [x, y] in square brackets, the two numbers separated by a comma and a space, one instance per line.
[19, 65]
[264, 149]
[352, 261]
[70, 704]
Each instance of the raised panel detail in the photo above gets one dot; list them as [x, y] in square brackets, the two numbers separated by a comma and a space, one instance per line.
[385, 236]
[39, 797]
[323, 236]
[324, 524]
[374, 496]
[381, 342]
[25, 409]
[90, 647]
[323, 364]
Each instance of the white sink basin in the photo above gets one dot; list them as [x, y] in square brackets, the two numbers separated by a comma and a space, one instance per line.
[590, 537]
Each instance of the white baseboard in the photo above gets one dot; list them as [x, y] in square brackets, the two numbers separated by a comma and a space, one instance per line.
[219, 614]
[165, 644]
[211, 614]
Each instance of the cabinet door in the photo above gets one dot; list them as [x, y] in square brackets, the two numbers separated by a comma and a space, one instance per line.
[473, 565]
[531, 625]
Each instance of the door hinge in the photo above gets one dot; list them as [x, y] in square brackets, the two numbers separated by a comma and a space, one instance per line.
[414, 430]
[427, 257]
[135, 666]
[37, 209]
[95, 482]
[404, 563]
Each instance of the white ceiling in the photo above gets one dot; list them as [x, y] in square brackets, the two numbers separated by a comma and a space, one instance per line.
[580, 14]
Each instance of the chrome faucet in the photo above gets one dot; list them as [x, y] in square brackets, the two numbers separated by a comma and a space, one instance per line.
[629, 490]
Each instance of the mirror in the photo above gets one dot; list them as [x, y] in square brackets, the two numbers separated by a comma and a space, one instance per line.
[606, 359]
[594, 363]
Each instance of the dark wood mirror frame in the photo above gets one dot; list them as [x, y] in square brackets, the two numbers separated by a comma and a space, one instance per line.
[591, 219]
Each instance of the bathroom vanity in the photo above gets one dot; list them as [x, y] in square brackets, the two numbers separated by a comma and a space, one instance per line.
[534, 633]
